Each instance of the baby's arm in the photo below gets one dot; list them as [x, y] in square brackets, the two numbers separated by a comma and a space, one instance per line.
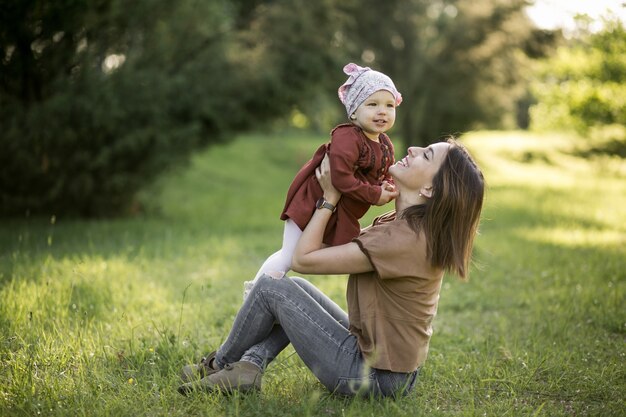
[388, 193]
[343, 156]
[388, 187]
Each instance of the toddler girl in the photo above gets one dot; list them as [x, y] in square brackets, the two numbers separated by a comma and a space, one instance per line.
[360, 155]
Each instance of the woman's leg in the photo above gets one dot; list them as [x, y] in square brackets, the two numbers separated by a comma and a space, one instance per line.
[323, 300]
[315, 326]
[266, 351]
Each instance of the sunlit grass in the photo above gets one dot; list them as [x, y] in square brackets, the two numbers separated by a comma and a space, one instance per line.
[97, 317]
[575, 237]
[542, 172]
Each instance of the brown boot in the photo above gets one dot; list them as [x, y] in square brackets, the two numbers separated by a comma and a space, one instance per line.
[240, 376]
[195, 372]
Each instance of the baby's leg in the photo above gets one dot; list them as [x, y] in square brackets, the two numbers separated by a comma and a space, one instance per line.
[280, 261]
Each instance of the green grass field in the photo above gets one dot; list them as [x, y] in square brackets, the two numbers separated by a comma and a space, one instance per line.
[97, 317]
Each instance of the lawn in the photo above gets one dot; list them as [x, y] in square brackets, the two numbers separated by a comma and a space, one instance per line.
[98, 316]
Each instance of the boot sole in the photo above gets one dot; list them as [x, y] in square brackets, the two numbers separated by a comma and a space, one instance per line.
[187, 389]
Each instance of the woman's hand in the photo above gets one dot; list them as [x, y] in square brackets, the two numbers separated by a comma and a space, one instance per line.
[323, 175]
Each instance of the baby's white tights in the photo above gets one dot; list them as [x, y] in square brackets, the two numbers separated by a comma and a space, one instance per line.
[280, 261]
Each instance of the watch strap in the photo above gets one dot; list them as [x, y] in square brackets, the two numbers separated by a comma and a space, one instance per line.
[322, 203]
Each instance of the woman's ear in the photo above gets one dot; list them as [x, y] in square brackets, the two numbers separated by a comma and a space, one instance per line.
[427, 191]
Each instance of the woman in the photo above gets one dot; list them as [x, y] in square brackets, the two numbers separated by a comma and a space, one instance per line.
[396, 267]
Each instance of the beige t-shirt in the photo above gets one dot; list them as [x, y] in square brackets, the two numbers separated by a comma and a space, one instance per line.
[392, 307]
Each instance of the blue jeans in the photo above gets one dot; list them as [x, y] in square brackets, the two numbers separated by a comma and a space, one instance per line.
[291, 310]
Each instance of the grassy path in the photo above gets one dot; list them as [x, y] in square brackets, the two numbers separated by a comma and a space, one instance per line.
[97, 317]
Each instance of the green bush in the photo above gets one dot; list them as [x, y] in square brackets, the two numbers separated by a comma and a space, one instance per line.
[96, 101]
[99, 97]
[584, 84]
[88, 149]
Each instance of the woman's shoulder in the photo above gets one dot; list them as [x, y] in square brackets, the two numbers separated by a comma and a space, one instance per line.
[391, 225]
[387, 217]
[393, 246]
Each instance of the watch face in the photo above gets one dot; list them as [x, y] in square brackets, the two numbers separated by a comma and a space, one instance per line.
[321, 203]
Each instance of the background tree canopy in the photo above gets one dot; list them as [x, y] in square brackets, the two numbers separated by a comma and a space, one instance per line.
[459, 64]
[583, 85]
[98, 97]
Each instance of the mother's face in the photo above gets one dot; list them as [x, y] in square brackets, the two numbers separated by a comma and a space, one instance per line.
[417, 169]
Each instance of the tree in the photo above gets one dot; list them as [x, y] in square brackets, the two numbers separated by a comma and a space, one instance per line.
[92, 98]
[584, 84]
[458, 63]
[98, 97]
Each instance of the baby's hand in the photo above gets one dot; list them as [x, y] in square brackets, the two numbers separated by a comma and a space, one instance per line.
[388, 186]
[389, 193]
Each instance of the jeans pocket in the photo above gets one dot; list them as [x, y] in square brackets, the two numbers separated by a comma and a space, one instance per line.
[356, 386]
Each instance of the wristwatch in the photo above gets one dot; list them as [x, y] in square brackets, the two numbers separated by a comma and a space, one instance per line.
[322, 203]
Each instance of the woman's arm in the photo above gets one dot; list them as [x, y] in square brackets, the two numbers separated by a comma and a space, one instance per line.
[343, 259]
[310, 255]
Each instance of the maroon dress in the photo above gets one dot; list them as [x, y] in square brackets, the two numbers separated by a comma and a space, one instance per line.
[358, 168]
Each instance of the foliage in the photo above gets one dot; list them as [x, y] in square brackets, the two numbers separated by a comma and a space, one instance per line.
[584, 84]
[459, 64]
[98, 97]
[94, 99]
[98, 317]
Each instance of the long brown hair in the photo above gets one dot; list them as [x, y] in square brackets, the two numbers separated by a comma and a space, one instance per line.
[449, 219]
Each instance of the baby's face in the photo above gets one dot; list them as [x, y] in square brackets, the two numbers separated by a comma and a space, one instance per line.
[377, 114]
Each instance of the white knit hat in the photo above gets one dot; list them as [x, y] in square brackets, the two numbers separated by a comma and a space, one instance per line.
[362, 83]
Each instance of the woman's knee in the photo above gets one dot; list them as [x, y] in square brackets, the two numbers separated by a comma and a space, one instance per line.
[300, 281]
[270, 280]
[283, 284]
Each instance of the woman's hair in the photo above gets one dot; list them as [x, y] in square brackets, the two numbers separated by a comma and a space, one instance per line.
[449, 219]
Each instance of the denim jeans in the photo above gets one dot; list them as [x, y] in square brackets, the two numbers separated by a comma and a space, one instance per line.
[292, 310]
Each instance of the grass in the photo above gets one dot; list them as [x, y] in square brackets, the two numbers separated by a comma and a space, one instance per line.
[97, 317]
